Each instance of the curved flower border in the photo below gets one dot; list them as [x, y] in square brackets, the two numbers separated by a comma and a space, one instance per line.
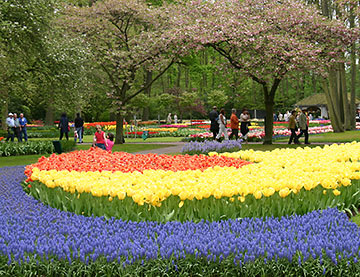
[30, 229]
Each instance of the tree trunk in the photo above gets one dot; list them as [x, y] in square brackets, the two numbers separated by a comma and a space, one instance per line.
[148, 80]
[204, 74]
[300, 87]
[169, 82]
[49, 116]
[333, 88]
[269, 110]
[178, 79]
[163, 83]
[333, 103]
[119, 138]
[187, 78]
[313, 82]
[345, 99]
[253, 90]
[353, 79]
[4, 108]
[287, 87]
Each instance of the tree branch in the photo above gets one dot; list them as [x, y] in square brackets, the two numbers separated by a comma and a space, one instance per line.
[112, 80]
[235, 64]
[148, 85]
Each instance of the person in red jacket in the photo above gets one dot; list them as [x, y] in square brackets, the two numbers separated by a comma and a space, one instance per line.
[99, 138]
[234, 125]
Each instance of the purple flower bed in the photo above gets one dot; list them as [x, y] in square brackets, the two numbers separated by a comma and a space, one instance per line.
[195, 147]
[29, 228]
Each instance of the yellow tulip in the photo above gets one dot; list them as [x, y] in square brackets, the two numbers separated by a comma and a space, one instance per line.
[258, 194]
[284, 192]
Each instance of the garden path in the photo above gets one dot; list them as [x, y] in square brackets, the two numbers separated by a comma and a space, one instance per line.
[176, 148]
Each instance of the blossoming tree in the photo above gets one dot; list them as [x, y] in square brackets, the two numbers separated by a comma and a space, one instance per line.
[125, 36]
[265, 40]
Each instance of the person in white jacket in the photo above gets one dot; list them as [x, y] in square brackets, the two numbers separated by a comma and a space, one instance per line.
[222, 126]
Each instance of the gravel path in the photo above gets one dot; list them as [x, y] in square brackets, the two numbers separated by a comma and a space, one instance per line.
[176, 148]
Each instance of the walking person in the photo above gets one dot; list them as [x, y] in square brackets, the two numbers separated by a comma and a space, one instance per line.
[304, 126]
[10, 127]
[292, 127]
[79, 123]
[214, 125]
[168, 120]
[234, 125]
[244, 123]
[222, 126]
[64, 126]
[23, 131]
[17, 127]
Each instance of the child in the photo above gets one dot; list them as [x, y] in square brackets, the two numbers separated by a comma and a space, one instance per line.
[75, 135]
[99, 138]
[110, 142]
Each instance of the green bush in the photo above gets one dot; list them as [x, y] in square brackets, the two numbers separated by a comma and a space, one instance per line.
[33, 147]
[67, 145]
[26, 148]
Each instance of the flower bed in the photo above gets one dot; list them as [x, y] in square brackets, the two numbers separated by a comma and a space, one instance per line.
[161, 129]
[257, 135]
[151, 187]
[37, 239]
[192, 148]
[173, 126]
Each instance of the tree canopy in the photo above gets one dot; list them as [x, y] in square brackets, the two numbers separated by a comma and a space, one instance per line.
[265, 40]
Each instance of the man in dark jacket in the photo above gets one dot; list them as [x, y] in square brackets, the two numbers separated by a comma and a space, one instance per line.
[79, 123]
[64, 126]
[214, 126]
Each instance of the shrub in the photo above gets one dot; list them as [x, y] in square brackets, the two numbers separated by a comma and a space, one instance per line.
[26, 148]
[33, 147]
[67, 145]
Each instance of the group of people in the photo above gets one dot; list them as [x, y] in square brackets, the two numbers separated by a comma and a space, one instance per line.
[16, 127]
[101, 140]
[286, 116]
[218, 124]
[169, 120]
[299, 120]
[65, 128]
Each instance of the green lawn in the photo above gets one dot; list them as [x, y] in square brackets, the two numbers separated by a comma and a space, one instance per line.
[20, 160]
[356, 219]
[130, 148]
[89, 138]
[347, 136]
[28, 159]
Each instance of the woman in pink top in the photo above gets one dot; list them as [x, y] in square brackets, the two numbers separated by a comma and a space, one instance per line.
[110, 142]
[99, 138]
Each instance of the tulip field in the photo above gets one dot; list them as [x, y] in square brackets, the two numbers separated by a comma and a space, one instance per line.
[277, 213]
